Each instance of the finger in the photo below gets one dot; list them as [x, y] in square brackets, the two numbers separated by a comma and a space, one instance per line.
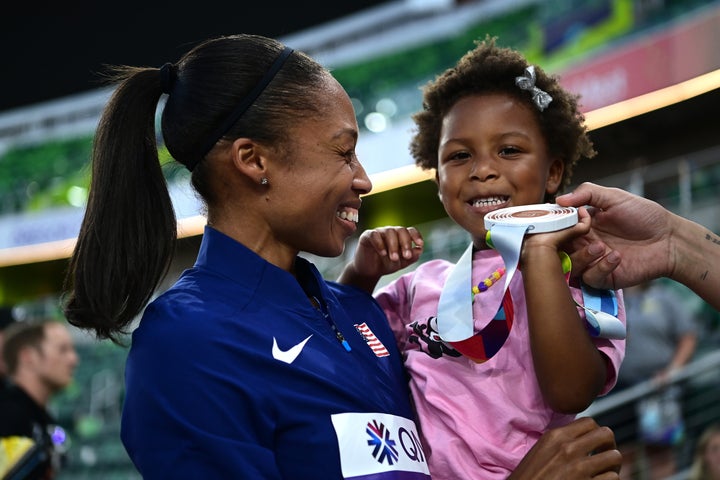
[576, 198]
[374, 239]
[600, 273]
[592, 210]
[415, 254]
[567, 235]
[584, 223]
[406, 240]
[415, 249]
[579, 427]
[392, 243]
[416, 237]
[585, 252]
[600, 439]
[604, 465]
[586, 194]
[607, 476]
[584, 215]
[597, 448]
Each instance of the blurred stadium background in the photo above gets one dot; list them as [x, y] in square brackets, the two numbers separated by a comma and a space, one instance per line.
[648, 72]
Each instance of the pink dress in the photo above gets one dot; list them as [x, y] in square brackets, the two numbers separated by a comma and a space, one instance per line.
[477, 420]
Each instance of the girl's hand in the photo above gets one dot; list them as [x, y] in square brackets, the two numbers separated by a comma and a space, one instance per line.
[560, 240]
[382, 251]
[386, 250]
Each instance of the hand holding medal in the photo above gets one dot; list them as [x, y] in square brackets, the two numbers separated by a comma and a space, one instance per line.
[507, 228]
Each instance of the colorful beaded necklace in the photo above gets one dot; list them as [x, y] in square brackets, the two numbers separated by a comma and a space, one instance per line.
[489, 281]
[497, 274]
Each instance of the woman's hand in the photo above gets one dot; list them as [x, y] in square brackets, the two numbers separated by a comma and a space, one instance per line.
[580, 450]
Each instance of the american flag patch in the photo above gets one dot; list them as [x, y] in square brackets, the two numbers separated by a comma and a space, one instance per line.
[375, 345]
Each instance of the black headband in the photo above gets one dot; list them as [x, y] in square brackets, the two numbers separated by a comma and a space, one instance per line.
[249, 99]
[168, 76]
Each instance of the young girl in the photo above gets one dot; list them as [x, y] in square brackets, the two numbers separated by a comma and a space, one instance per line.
[499, 133]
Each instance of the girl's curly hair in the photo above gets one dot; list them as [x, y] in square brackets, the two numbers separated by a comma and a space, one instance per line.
[489, 69]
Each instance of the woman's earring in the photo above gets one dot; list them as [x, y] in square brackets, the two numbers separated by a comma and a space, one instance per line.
[263, 181]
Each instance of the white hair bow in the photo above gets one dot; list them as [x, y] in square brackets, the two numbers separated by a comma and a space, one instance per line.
[527, 82]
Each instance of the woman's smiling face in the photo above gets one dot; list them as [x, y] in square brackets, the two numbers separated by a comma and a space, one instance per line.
[491, 155]
[315, 194]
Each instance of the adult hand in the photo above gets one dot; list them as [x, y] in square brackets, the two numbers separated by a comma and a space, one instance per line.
[578, 451]
[634, 240]
[630, 241]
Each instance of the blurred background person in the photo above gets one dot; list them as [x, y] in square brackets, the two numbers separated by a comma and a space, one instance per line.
[6, 319]
[706, 463]
[662, 337]
[41, 361]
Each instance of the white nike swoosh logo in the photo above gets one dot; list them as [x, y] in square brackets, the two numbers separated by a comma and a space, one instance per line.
[288, 356]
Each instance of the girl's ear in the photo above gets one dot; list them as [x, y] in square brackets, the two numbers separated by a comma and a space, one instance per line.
[555, 176]
[249, 159]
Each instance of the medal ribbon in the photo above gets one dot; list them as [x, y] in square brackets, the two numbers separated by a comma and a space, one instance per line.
[455, 317]
[455, 321]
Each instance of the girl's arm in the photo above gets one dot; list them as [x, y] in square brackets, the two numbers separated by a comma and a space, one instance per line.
[570, 370]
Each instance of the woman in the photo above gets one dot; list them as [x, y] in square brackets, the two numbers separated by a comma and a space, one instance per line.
[252, 365]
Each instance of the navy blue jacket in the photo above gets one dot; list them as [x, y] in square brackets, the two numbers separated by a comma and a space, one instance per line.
[233, 373]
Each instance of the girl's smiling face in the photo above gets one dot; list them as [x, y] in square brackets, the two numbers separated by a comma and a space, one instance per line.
[491, 155]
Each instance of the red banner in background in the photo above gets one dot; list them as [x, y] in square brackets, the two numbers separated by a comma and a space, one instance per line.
[652, 62]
